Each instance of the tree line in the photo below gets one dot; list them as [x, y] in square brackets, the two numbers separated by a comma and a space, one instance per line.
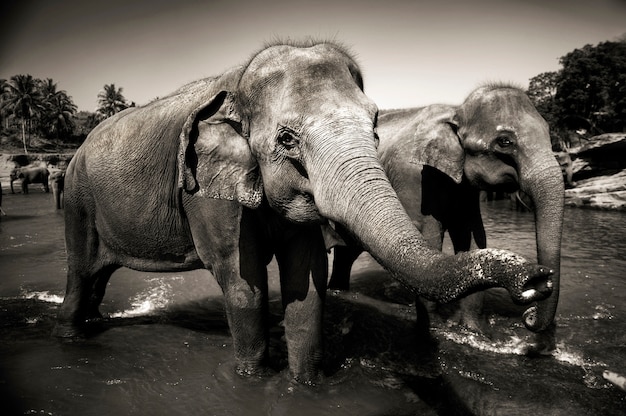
[586, 97]
[37, 107]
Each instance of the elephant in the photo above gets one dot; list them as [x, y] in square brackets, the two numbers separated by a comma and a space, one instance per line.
[438, 159]
[262, 161]
[57, 182]
[30, 175]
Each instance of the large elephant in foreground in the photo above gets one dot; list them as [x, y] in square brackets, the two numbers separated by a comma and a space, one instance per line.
[30, 175]
[232, 170]
[439, 157]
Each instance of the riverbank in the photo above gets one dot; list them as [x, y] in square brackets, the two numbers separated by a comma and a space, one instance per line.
[599, 173]
[599, 170]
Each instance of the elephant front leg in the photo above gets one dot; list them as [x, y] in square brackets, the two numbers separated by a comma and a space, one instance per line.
[303, 268]
[245, 293]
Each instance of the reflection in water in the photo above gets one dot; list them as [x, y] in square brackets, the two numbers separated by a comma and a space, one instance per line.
[165, 346]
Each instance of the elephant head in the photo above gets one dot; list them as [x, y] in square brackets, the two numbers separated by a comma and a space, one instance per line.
[296, 128]
[498, 141]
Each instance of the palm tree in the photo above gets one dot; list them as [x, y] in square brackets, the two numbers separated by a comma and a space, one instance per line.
[59, 109]
[59, 115]
[111, 101]
[23, 99]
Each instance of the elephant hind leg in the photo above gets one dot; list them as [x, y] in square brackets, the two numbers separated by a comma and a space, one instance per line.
[83, 296]
[88, 271]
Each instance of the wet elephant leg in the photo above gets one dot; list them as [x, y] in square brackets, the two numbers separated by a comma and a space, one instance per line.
[303, 272]
[101, 279]
[470, 308]
[343, 259]
[239, 265]
[84, 293]
[245, 299]
[87, 275]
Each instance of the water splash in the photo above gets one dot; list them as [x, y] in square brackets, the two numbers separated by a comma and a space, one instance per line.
[516, 345]
[44, 296]
[150, 300]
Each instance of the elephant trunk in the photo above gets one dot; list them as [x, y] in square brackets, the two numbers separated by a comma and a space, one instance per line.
[351, 188]
[543, 182]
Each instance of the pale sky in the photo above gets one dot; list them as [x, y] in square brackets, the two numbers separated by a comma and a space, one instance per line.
[412, 52]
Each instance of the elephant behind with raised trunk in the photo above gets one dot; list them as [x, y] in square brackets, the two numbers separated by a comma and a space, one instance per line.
[439, 157]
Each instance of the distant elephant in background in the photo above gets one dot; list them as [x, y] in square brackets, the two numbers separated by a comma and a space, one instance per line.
[30, 175]
[438, 158]
[230, 171]
[57, 182]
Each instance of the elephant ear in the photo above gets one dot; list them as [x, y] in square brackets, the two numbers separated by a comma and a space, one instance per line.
[442, 147]
[214, 157]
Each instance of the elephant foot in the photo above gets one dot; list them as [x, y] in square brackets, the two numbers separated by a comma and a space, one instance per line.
[544, 343]
[309, 378]
[253, 370]
[73, 331]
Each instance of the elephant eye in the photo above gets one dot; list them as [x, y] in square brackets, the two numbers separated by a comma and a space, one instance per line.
[287, 140]
[504, 141]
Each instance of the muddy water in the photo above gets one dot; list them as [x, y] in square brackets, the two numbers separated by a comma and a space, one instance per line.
[166, 349]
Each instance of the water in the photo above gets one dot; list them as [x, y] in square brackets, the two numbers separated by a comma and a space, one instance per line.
[167, 349]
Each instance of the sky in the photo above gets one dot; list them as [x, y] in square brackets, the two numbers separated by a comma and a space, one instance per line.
[411, 52]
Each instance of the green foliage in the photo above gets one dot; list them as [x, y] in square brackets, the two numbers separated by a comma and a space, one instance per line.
[587, 94]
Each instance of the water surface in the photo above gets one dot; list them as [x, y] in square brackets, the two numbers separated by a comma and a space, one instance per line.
[167, 350]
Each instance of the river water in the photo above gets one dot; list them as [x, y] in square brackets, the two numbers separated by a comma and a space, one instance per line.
[166, 349]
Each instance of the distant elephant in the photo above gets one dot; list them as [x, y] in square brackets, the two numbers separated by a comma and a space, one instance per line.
[57, 182]
[438, 158]
[227, 172]
[28, 176]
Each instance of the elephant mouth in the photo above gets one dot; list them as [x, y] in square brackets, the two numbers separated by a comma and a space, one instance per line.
[300, 208]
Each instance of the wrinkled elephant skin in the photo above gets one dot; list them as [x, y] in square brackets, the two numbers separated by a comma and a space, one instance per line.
[232, 170]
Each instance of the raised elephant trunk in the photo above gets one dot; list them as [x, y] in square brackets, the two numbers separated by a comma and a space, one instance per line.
[543, 182]
[357, 194]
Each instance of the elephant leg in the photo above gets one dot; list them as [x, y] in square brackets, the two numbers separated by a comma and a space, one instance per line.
[89, 267]
[229, 241]
[46, 186]
[343, 259]
[470, 308]
[24, 187]
[303, 268]
[98, 289]
[245, 299]
[87, 277]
